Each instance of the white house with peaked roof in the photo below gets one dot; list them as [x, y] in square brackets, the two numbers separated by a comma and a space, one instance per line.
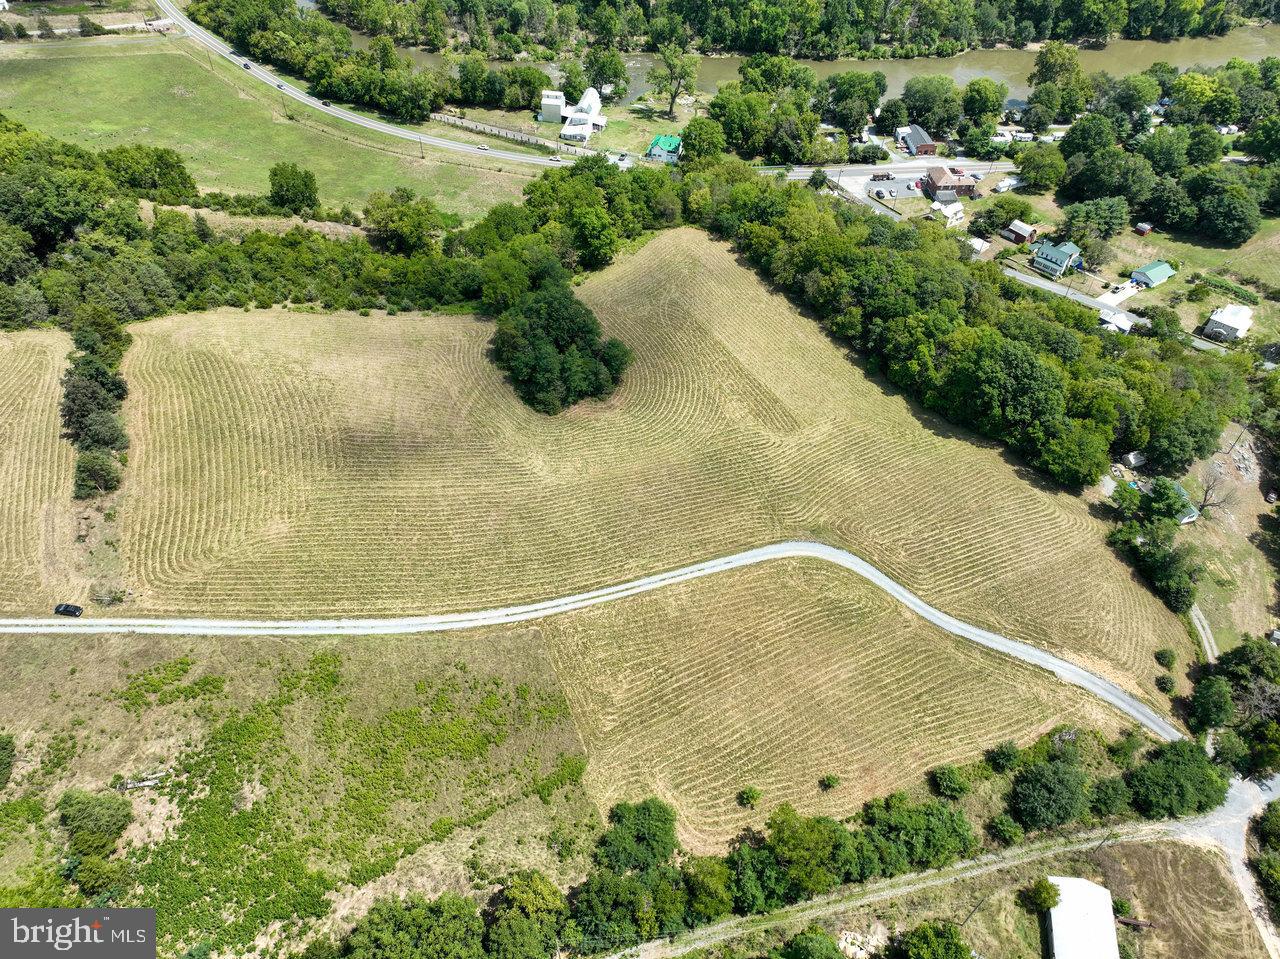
[1082, 924]
[1230, 322]
[584, 119]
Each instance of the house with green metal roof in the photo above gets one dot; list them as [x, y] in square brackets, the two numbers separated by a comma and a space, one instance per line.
[1054, 259]
[665, 147]
[1153, 274]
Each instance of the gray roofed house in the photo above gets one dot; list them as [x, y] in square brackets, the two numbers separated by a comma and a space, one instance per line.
[918, 142]
[1054, 259]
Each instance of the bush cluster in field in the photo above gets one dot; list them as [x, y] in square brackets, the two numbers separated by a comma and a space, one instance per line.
[162, 685]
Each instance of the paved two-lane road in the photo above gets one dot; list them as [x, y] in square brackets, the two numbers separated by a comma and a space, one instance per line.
[1069, 672]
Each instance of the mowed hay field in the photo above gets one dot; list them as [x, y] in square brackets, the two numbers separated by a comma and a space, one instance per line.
[775, 676]
[35, 473]
[294, 464]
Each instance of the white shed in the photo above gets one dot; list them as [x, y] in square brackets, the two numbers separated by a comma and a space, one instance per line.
[1082, 925]
[1230, 322]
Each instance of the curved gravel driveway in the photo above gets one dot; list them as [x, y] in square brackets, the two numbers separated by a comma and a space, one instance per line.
[1068, 672]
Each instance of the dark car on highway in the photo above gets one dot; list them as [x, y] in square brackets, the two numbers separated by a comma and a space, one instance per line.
[67, 609]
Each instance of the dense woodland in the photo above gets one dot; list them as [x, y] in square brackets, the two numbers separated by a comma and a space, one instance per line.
[820, 29]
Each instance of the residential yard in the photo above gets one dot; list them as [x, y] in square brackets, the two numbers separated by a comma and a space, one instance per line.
[629, 130]
[167, 92]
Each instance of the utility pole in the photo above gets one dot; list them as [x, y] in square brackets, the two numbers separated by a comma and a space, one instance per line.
[977, 907]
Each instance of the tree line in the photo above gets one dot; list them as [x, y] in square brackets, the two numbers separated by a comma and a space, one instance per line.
[641, 885]
[824, 29]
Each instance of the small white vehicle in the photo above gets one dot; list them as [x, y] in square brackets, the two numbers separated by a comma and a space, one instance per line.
[555, 158]
[482, 146]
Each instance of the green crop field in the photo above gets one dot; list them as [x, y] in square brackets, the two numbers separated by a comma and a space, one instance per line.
[167, 92]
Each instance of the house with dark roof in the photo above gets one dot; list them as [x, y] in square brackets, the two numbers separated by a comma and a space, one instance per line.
[918, 142]
[1054, 259]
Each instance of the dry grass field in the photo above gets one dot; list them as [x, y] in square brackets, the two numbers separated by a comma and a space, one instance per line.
[776, 676]
[295, 464]
[1185, 890]
[35, 473]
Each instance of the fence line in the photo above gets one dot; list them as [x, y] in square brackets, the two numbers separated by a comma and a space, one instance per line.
[513, 135]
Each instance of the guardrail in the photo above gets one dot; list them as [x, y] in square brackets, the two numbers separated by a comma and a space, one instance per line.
[513, 135]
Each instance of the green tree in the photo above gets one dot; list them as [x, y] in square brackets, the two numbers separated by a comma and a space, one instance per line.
[1165, 148]
[97, 471]
[1231, 216]
[573, 81]
[640, 836]
[1004, 830]
[984, 98]
[673, 73]
[448, 927]
[595, 237]
[1178, 780]
[1048, 794]
[1211, 704]
[707, 883]
[293, 188]
[605, 68]
[702, 137]
[1204, 145]
[400, 222]
[748, 796]
[813, 943]
[1090, 134]
[1041, 167]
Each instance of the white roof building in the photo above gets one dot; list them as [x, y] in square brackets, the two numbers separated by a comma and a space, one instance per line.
[1116, 321]
[1230, 322]
[1082, 925]
[978, 244]
[552, 110]
[952, 213]
[584, 119]
[1133, 460]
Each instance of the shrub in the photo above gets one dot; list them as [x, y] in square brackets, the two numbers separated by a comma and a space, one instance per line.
[748, 796]
[1004, 756]
[1048, 794]
[1110, 797]
[1004, 830]
[94, 821]
[932, 940]
[828, 782]
[640, 836]
[1041, 895]
[8, 751]
[1166, 684]
[1166, 657]
[949, 782]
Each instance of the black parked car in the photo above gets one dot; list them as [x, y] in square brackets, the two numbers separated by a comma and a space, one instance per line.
[67, 609]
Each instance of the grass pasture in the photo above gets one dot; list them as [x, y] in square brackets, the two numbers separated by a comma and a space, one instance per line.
[776, 676]
[164, 91]
[36, 524]
[289, 464]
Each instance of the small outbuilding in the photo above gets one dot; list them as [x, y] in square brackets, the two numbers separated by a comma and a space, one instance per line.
[552, 109]
[1154, 273]
[1133, 460]
[666, 147]
[918, 142]
[1019, 232]
[1142, 229]
[978, 245]
[1082, 925]
[1229, 323]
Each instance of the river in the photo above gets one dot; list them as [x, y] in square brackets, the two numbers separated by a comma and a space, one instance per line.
[1007, 66]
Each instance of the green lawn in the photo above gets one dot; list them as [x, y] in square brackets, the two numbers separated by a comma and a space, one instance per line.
[629, 130]
[166, 92]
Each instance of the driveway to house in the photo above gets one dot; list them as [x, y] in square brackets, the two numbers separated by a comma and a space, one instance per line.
[1069, 672]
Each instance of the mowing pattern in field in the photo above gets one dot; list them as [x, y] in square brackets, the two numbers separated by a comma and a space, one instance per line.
[35, 472]
[775, 677]
[297, 464]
